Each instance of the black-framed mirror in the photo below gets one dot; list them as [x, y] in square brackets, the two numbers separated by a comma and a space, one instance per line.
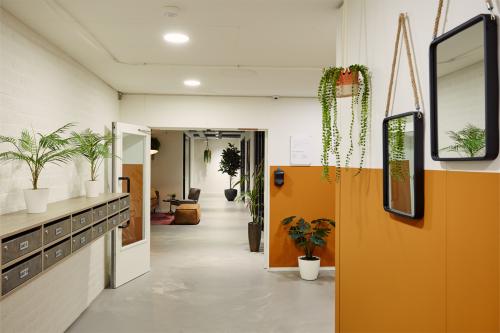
[464, 92]
[403, 147]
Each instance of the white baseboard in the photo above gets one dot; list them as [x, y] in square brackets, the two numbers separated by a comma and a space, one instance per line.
[295, 269]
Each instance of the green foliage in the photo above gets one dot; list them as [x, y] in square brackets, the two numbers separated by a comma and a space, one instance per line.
[470, 141]
[308, 235]
[331, 136]
[37, 150]
[207, 154]
[94, 147]
[252, 198]
[230, 162]
[396, 130]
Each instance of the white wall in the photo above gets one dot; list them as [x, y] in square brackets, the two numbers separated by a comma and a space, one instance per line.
[42, 88]
[283, 117]
[206, 176]
[167, 165]
[371, 32]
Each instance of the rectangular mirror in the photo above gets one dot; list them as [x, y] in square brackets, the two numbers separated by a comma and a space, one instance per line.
[464, 92]
[404, 164]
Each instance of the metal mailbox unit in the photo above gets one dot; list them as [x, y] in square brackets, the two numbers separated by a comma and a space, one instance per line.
[33, 243]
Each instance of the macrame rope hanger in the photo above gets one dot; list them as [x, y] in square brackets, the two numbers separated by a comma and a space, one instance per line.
[489, 7]
[402, 29]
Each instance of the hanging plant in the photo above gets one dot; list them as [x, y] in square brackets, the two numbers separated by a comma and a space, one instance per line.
[396, 135]
[207, 154]
[328, 92]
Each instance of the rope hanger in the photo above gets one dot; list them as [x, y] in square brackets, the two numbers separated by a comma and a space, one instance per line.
[489, 7]
[402, 29]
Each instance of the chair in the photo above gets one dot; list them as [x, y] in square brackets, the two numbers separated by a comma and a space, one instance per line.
[193, 196]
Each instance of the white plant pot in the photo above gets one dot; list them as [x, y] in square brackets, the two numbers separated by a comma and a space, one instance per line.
[92, 188]
[309, 269]
[36, 200]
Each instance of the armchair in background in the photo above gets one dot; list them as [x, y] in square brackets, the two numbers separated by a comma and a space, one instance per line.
[193, 196]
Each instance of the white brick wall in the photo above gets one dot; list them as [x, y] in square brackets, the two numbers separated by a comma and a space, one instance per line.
[43, 88]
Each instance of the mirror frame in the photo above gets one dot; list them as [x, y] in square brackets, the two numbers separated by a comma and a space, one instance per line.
[418, 178]
[491, 88]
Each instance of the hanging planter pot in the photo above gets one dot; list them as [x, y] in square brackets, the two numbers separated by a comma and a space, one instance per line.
[348, 83]
[336, 82]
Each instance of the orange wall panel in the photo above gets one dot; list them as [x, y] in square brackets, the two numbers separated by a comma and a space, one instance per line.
[306, 194]
[472, 242]
[437, 274]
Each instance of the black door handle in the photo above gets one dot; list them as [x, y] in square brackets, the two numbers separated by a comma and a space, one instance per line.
[127, 224]
[128, 182]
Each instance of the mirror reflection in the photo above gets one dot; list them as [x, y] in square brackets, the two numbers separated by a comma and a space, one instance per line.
[461, 94]
[401, 155]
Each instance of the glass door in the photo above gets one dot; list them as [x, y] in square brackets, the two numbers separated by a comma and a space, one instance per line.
[131, 173]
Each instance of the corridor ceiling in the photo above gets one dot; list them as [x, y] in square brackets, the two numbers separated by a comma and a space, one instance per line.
[236, 47]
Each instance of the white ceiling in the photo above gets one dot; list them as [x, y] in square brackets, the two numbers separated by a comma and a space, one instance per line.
[237, 47]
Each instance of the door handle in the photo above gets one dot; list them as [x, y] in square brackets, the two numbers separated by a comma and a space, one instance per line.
[124, 226]
[127, 179]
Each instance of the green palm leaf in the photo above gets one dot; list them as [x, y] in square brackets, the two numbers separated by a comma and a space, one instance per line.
[37, 150]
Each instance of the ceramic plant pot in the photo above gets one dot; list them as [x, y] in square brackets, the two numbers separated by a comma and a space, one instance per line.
[92, 188]
[347, 83]
[254, 236]
[36, 200]
[309, 269]
[230, 194]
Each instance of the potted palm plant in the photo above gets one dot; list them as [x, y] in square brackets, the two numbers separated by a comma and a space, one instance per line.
[252, 200]
[230, 164]
[308, 236]
[94, 147]
[38, 150]
[470, 141]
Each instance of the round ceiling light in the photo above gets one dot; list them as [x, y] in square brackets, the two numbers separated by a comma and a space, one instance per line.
[176, 38]
[192, 83]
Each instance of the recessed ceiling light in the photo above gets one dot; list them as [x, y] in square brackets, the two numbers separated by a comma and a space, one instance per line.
[176, 38]
[192, 83]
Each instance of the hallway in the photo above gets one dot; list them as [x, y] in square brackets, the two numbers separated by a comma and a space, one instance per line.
[205, 274]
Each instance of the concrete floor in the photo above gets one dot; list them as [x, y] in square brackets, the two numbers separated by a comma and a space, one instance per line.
[204, 279]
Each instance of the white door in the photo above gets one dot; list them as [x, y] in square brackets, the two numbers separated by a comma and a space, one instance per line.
[131, 172]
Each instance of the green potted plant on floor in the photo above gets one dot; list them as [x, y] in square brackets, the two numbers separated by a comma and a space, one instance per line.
[38, 150]
[230, 164]
[94, 147]
[308, 236]
[252, 200]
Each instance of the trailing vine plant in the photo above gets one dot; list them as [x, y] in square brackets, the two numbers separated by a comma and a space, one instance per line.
[207, 154]
[396, 135]
[331, 136]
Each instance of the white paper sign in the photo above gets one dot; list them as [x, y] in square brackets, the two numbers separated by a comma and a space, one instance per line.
[300, 150]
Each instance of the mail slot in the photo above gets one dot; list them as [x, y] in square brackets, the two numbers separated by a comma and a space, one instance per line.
[124, 202]
[124, 216]
[21, 272]
[82, 220]
[56, 230]
[81, 239]
[21, 244]
[113, 207]
[100, 213]
[99, 229]
[56, 253]
[113, 221]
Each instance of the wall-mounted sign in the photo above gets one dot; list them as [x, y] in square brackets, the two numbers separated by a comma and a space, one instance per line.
[300, 150]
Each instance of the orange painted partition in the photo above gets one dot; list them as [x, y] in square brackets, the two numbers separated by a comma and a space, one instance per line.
[306, 194]
[438, 274]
